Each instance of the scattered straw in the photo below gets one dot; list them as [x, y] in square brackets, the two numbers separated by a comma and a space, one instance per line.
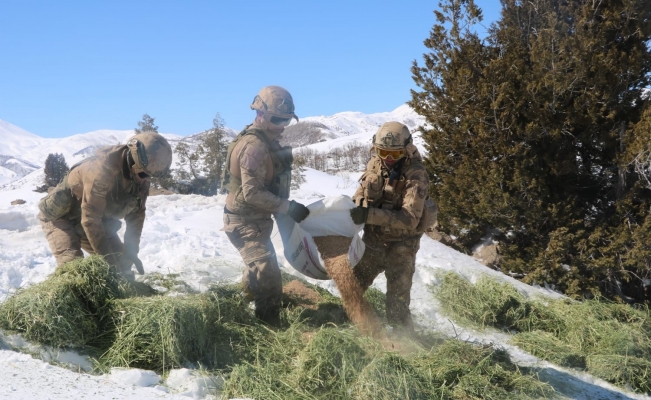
[68, 308]
[610, 339]
[334, 251]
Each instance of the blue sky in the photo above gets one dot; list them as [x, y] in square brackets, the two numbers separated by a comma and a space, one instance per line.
[70, 67]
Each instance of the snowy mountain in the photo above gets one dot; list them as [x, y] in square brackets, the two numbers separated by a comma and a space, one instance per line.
[22, 152]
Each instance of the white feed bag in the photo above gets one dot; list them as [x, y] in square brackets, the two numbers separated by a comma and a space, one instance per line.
[328, 217]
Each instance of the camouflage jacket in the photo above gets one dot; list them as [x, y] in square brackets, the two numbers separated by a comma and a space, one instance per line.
[396, 206]
[258, 174]
[105, 192]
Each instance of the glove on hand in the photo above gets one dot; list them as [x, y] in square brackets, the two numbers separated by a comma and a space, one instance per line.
[297, 211]
[127, 260]
[359, 215]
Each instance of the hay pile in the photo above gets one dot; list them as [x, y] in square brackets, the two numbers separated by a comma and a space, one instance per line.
[69, 308]
[340, 364]
[334, 251]
[160, 333]
[610, 340]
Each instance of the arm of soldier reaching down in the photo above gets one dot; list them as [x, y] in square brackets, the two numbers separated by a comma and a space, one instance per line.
[93, 203]
[408, 216]
[253, 161]
[135, 222]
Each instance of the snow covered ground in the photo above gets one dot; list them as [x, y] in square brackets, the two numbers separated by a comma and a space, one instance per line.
[182, 235]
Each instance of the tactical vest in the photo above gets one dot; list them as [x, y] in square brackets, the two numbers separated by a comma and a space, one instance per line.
[281, 158]
[388, 192]
[61, 203]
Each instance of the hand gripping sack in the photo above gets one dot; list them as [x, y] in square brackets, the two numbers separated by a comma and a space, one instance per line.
[328, 217]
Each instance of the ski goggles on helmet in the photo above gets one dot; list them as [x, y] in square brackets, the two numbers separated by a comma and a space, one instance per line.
[391, 154]
[279, 121]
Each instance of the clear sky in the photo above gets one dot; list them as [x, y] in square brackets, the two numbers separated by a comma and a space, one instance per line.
[73, 66]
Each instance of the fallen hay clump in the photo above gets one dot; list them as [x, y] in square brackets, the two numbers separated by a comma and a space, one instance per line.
[610, 340]
[67, 309]
[334, 251]
[160, 333]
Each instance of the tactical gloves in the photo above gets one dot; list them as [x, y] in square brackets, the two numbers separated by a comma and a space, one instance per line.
[359, 215]
[127, 260]
[297, 211]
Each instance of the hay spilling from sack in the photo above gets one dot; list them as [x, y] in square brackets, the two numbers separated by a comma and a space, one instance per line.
[160, 333]
[334, 251]
[68, 308]
[596, 334]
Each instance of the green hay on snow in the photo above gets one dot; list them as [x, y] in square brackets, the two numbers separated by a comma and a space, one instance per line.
[68, 308]
[622, 370]
[391, 377]
[330, 362]
[546, 346]
[560, 331]
[160, 333]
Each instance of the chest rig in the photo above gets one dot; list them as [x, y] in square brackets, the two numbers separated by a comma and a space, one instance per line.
[281, 158]
[384, 189]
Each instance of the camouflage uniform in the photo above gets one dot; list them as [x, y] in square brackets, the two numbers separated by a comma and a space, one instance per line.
[102, 194]
[85, 209]
[395, 223]
[257, 177]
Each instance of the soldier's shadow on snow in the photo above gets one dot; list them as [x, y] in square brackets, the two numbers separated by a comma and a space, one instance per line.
[13, 221]
[574, 388]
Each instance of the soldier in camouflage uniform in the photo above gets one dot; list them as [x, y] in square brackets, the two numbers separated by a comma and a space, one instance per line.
[392, 200]
[257, 177]
[84, 210]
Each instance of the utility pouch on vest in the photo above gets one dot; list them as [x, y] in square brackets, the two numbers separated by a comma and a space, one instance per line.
[281, 184]
[58, 202]
[372, 184]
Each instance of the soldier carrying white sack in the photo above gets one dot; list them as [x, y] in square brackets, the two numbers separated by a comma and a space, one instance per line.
[257, 177]
[392, 200]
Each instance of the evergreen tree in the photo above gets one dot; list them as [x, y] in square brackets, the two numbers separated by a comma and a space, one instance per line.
[298, 172]
[212, 152]
[146, 124]
[55, 169]
[201, 168]
[529, 136]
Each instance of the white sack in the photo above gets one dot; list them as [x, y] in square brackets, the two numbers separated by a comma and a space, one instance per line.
[328, 217]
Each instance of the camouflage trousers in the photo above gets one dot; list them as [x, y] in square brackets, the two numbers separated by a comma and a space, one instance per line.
[67, 238]
[261, 281]
[398, 262]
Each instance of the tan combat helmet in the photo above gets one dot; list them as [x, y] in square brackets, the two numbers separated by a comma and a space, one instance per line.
[390, 140]
[274, 101]
[151, 153]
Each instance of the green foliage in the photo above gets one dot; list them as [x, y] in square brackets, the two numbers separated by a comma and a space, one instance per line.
[55, 169]
[146, 125]
[593, 334]
[533, 129]
[201, 167]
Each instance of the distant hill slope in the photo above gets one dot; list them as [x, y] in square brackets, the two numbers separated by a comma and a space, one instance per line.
[22, 152]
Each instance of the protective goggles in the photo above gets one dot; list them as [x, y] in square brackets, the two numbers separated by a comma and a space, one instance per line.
[278, 121]
[392, 154]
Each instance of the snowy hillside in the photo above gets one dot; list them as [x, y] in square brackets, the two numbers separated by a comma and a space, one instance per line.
[182, 235]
